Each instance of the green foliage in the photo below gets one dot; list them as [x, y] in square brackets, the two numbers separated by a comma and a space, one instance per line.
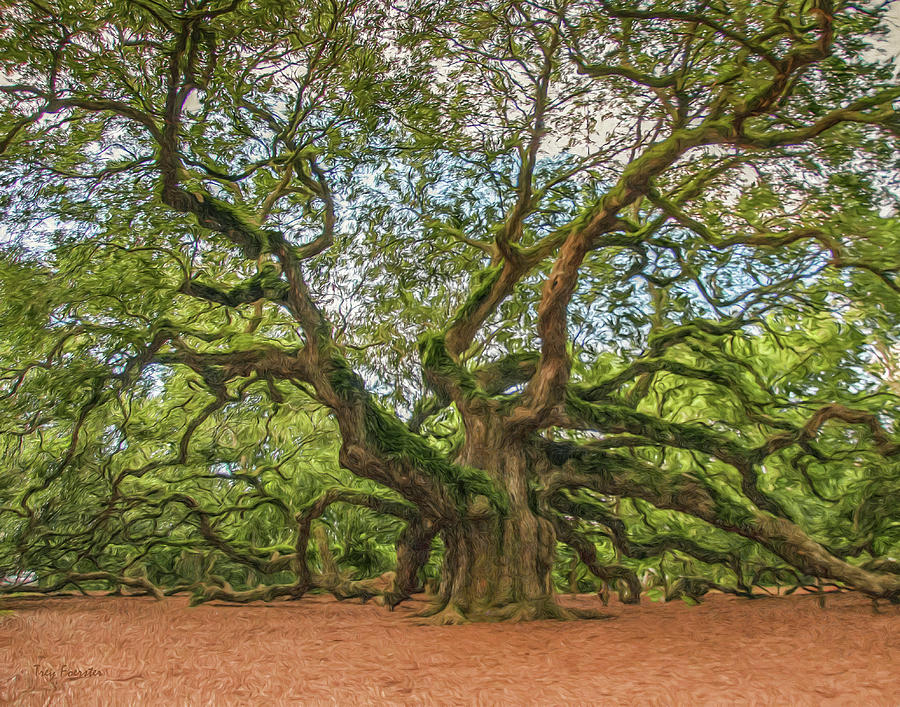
[237, 236]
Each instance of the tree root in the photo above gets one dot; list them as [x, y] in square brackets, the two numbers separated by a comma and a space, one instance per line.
[140, 583]
[450, 613]
[383, 589]
[205, 593]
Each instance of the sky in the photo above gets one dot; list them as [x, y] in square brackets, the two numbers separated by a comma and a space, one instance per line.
[893, 41]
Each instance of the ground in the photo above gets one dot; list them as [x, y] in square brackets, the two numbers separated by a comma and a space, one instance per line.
[126, 651]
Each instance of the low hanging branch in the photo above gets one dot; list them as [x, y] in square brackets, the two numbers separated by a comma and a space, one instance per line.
[392, 587]
[580, 467]
[587, 553]
[78, 578]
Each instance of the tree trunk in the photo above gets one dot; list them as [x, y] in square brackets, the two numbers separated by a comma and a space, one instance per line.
[496, 567]
[413, 549]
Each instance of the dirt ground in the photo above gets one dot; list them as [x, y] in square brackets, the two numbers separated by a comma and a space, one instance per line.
[129, 651]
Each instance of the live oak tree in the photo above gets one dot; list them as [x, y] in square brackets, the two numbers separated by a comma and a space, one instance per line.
[607, 281]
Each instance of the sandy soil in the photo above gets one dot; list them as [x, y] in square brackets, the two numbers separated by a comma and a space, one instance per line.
[129, 651]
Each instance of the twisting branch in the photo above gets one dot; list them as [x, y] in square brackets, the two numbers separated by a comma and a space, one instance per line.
[587, 553]
[512, 228]
[546, 389]
[266, 284]
[77, 578]
[884, 444]
[579, 466]
[660, 544]
[398, 587]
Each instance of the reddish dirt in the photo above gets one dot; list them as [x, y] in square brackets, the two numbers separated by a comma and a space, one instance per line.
[784, 651]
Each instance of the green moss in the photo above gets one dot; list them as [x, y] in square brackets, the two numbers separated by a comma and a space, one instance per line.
[345, 382]
[266, 282]
[482, 283]
[392, 438]
[735, 515]
[674, 434]
[442, 371]
[509, 370]
[512, 365]
[668, 337]
[235, 221]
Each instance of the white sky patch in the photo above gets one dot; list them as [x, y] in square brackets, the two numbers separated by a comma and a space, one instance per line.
[192, 102]
[892, 42]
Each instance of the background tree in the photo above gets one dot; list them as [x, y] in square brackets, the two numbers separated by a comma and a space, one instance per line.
[621, 278]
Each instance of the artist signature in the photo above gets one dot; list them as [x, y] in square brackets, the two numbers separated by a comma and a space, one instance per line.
[66, 672]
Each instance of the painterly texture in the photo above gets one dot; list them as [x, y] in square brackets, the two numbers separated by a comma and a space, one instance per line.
[493, 297]
[785, 651]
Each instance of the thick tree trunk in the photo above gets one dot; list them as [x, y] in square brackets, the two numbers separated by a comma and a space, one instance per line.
[498, 568]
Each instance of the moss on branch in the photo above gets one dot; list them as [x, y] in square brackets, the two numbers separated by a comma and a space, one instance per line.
[660, 340]
[266, 284]
[659, 545]
[623, 476]
[445, 375]
[394, 441]
[616, 418]
[510, 370]
[482, 284]
[719, 376]
[235, 222]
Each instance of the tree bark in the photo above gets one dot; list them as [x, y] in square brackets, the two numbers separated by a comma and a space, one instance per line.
[498, 567]
[413, 549]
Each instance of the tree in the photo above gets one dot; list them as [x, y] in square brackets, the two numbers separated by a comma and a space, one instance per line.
[620, 277]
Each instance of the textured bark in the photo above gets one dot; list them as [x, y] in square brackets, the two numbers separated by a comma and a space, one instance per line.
[413, 549]
[498, 567]
[491, 564]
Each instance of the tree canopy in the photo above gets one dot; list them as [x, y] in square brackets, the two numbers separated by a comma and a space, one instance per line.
[506, 296]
